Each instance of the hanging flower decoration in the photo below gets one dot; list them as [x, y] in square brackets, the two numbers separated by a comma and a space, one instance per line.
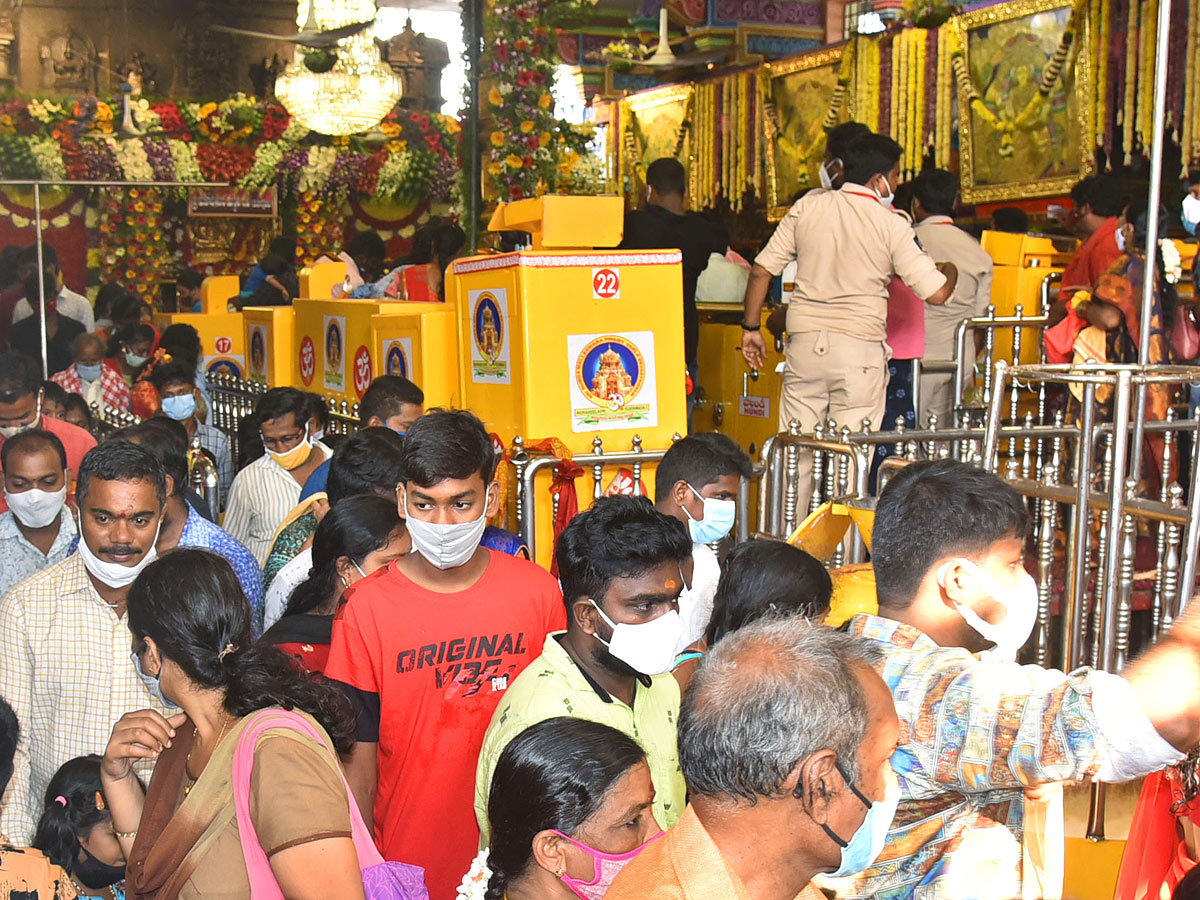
[528, 143]
[239, 140]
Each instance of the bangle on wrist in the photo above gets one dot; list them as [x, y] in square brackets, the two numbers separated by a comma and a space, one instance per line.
[746, 327]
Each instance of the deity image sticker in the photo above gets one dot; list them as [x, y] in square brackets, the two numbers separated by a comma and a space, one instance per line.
[613, 383]
[223, 365]
[489, 337]
[258, 353]
[335, 354]
[397, 356]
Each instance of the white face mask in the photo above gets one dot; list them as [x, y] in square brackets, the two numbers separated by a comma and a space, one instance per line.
[648, 648]
[1009, 635]
[446, 546]
[886, 199]
[1191, 213]
[826, 178]
[116, 575]
[36, 508]
[1120, 236]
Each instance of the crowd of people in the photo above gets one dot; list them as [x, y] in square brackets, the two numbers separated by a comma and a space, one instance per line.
[347, 671]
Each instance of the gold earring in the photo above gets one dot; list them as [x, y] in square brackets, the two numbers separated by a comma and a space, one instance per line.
[560, 873]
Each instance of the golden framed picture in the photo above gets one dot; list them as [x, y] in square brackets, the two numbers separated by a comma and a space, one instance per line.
[1024, 102]
[796, 95]
[654, 124]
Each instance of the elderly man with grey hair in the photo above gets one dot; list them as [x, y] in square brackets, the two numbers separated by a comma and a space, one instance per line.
[785, 738]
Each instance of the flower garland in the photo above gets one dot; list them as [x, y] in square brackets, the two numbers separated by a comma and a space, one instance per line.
[321, 222]
[239, 140]
[528, 143]
[132, 250]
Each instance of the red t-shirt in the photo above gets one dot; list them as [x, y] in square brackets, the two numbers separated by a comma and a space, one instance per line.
[1092, 260]
[75, 441]
[426, 671]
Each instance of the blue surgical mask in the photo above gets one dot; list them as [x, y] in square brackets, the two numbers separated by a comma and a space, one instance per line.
[718, 519]
[89, 373]
[153, 683]
[865, 846]
[135, 361]
[179, 408]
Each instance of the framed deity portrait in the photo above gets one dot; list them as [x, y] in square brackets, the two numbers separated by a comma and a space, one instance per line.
[796, 95]
[654, 124]
[1025, 109]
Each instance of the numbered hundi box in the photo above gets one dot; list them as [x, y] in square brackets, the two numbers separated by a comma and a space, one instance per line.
[420, 342]
[222, 335]
[270, 345]
[572, 344]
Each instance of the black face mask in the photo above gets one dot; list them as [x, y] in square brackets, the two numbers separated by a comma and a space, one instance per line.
[92, 873]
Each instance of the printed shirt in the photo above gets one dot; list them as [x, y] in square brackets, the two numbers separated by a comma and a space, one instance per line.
[426, 671]
[554, 685]
[973, 736]
[75, 441]
[110, 389]
[946, 242]
[201, 533]
[216, 443]
[848, 245]
[26, 874]
[261, 496]
[685, 864]
[67, 673]
[19, 559]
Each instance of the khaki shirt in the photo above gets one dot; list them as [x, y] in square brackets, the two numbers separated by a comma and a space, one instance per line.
[848, 246]
[945, 242]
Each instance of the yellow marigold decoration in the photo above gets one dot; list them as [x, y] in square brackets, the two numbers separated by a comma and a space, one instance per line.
[544, 139]
[495, 97]
[497, 139]
[527, 127]
[544, 101]
[513, 161]
[104, 112]
[495, 169]
[205, 110]
[390, 129]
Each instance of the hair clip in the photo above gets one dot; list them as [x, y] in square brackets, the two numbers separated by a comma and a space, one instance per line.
[60, 799]
[100, 804]
[229, 648]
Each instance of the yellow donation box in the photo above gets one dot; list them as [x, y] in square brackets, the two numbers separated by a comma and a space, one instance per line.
[572, 344]
[222, 337]
[419, 341]
[270, 345]
[1021, 262]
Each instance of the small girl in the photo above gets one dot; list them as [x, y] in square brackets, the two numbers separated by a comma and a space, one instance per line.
[76, 831]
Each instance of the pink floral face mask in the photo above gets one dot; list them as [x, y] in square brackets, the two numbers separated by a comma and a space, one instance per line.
[607, 866]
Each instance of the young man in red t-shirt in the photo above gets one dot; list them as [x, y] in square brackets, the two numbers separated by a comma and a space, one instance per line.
[426, 647]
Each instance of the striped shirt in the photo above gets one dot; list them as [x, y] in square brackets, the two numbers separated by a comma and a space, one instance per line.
[67, 673]
[262, 495]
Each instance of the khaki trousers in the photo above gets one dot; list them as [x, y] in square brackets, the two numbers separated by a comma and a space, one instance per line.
[835, 376]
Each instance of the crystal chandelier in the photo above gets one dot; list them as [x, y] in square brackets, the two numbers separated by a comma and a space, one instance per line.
[359, 89]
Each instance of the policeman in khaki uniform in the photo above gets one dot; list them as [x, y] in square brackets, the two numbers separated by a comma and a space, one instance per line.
[848, 244]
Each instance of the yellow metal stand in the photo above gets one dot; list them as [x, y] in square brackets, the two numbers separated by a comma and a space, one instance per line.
[222, 333]
[576, 345]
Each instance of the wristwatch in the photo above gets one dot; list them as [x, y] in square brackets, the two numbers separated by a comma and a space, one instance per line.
[746, 327]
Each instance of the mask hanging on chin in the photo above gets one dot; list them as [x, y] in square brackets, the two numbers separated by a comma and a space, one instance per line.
[1010, 634]
[116, 575]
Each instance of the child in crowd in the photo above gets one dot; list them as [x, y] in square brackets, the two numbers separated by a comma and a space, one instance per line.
[698, 482]
[75, 412]
[24, 872]
[76, 831]
[54, 399]
[426, 648]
